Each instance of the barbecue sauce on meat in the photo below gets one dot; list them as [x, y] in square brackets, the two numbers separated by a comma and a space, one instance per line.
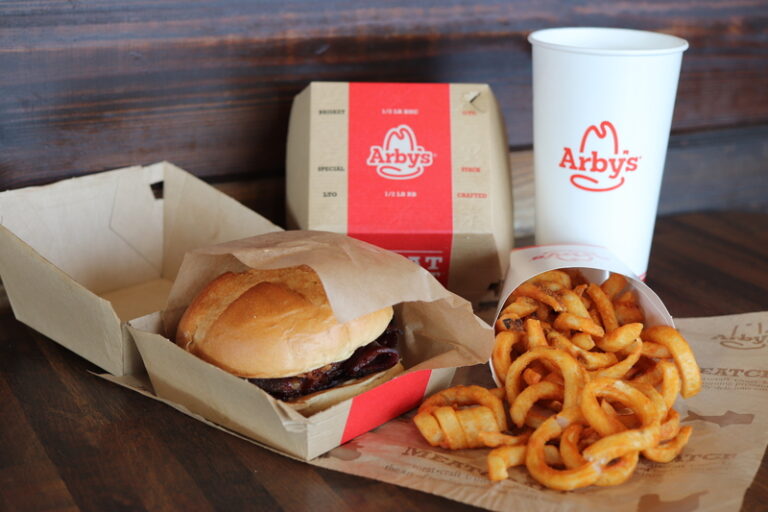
[379, 355]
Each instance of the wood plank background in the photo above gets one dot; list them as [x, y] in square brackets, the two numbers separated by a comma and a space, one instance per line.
[89, 85]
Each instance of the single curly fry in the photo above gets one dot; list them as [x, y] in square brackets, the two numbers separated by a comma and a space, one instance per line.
[583, 340]
[620, 338]
[502, 458]
[666, 452]
[690, 374]
[568, 321]
[591, 360]
[468, 395]
[556, 276]
[657, 401]
[429, 428]
[619, 471]
[543, 313]
[521, 307]
[534, 333]
[496, 439]
[577, 278]
[535, 458]
[579, 290]
[612, 474]
[627, 313]
[572, 302]
[629, 298]
[552, 455]
[627, 418]
[531, 376]
[536, 292]
[664, 372]
[572, 373]
[538, 415]
[508, 323]
[671, 426]
[620, 369]
[449, 423]
[501, 357]
[595, 316]
[614, 285]
[498, 393]
[569, 446]
[529, 396]
[604, 307]
[475, 421]
[615, 390]
[655, 350]
[555, 377]
[615, 445]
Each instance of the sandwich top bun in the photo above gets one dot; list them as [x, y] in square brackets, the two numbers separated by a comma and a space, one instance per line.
[271, 324]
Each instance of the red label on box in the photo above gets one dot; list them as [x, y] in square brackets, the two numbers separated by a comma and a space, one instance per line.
[400, 180]
[381, 404]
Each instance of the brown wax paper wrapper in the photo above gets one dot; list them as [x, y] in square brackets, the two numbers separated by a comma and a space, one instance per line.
[440, 333]
[729, 417]
[358, 278]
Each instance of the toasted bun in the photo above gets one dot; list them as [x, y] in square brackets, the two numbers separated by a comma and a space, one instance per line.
[272, 323]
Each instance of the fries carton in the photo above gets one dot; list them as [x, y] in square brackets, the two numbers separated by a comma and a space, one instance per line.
[441, 333]
[421, 169]
[595, 263]
[80, 257]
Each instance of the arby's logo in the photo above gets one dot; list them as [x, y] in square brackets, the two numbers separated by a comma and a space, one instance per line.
[601, 163]
[400, 157]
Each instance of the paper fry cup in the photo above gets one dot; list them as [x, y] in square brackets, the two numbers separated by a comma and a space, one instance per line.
[596, 263]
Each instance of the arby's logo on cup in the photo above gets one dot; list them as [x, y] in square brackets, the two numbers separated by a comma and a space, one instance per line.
[400, 157]
[600, 164]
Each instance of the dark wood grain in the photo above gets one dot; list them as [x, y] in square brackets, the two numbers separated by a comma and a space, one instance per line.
[71, 441]
[91, 85]
[716, 170]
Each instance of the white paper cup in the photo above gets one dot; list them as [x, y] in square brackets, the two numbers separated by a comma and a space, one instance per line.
[602, 110]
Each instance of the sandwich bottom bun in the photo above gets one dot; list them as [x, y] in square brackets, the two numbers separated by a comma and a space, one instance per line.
[321, 400]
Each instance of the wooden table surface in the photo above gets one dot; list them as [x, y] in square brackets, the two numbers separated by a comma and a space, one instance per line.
[71, 441]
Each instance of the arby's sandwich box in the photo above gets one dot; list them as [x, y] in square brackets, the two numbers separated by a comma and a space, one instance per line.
[420, 169]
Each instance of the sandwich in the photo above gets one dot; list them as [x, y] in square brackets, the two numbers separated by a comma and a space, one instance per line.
[276, 328]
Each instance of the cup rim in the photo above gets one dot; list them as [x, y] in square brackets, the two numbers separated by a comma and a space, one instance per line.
[607, 41]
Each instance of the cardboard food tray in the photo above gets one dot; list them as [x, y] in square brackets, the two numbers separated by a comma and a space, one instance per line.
[105, 248]
[440, 333]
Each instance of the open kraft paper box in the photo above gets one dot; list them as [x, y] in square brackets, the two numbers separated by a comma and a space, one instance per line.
[80, 257]
[440, 333]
